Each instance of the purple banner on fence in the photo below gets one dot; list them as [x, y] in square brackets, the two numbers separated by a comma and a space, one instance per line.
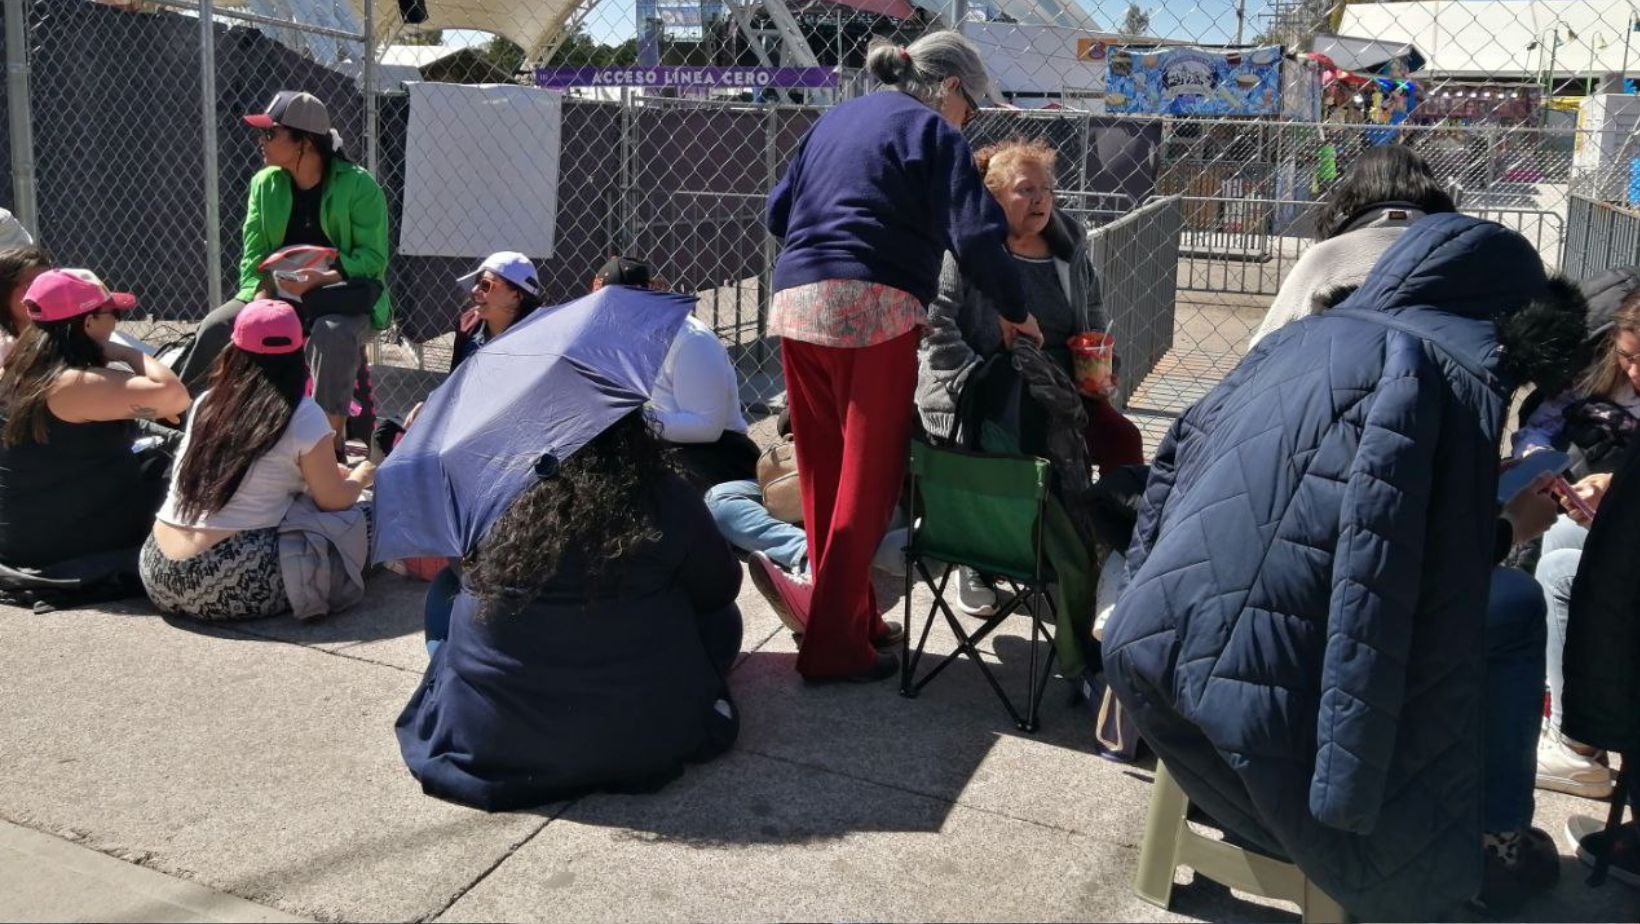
[727, 78]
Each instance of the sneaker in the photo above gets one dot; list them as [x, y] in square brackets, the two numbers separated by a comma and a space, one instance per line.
[788, 594]
[1513, 874]
[975, 595]
[892, 636]
[1561, 769]
[1589, 837]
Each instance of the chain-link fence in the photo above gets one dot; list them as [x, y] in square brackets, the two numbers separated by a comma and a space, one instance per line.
[1196, 142]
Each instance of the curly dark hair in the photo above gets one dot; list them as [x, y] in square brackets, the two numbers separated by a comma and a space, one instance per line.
[597, 507]
[1390, 173]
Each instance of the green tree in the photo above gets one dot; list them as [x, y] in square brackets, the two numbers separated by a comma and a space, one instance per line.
[581, 50]
[422, 37]
[502, 54]
[1136, 22]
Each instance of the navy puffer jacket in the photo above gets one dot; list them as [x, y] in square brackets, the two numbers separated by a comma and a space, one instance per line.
[1301, 638]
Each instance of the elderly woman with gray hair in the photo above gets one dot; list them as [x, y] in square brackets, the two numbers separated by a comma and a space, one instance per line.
[880, 188]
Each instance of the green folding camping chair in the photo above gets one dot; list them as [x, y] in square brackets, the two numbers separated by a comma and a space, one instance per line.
[985, 511]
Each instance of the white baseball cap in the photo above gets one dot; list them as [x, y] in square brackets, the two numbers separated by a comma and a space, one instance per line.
[511, 266]
[12, 232]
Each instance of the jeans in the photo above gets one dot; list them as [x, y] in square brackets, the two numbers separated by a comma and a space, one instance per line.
[737, 508]
[333, 351]
[1513, 699]
[1556, 569]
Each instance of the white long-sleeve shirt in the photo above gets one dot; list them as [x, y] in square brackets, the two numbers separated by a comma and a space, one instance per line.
[697, 395]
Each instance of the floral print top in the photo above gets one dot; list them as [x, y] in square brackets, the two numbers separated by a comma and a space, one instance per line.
[848, 313]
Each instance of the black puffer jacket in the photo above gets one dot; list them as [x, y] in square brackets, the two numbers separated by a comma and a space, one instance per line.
[1602, 659]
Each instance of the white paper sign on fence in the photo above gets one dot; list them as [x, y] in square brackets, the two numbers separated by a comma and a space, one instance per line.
[481, 170]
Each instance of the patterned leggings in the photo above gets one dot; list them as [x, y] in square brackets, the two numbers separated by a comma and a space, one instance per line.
[238, 578]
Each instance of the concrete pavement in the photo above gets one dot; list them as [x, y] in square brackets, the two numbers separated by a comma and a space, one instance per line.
[256, 763]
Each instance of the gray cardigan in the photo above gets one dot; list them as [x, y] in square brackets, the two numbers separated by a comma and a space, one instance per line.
[964, 329]
[1339, 261]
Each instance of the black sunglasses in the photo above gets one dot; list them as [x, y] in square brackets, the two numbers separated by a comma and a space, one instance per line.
[973, 107]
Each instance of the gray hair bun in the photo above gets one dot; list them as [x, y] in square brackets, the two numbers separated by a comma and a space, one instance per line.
[888, 62]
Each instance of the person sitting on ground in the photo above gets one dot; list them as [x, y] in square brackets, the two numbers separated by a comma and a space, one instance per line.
[590, 641]
[696, 402]
[257, 470]
[1327, 688]
[777, 548]
[1385, 191]
[309, 194]
[1595, 422]
[71, 481]
[964, 327]
[505, 290]
[19, 267]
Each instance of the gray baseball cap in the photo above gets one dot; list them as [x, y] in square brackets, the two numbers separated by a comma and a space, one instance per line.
[296, 110]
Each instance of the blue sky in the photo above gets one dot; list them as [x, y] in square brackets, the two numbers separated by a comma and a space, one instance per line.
[1209, 22]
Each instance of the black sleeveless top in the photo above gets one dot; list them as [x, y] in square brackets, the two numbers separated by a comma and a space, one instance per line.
[80, 492]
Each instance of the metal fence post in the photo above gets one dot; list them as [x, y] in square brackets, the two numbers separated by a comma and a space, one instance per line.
[771, 251]
[368, 78]
[628, 148]
[21, 117]
[213, 193]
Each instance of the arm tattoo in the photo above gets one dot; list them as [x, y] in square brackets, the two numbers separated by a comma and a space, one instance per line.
[144, 413]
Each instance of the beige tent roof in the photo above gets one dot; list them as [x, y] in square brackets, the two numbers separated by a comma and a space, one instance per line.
[529, 23]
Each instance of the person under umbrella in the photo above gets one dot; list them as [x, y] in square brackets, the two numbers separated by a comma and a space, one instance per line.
[588, 646]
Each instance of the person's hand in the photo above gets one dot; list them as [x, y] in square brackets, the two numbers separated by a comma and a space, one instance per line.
[1028, 328]
[1532, 511]
[364, 473]
[1591, 490]
[299, 282]
[410, 418]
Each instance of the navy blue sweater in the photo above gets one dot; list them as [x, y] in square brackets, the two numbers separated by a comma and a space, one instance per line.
[880, 189]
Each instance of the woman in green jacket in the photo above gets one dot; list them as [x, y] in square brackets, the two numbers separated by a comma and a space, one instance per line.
[309, 193]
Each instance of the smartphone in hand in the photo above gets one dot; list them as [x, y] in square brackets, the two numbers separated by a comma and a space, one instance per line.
[1569, 498]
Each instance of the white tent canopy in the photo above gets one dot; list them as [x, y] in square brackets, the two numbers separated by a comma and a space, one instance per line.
[1490, 38]
[529, 23]
[1349, 53]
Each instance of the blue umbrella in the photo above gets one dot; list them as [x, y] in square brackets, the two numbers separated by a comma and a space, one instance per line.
[517, 408]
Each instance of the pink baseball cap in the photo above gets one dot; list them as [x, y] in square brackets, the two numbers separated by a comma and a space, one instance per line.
[268, 326]
[60, 294]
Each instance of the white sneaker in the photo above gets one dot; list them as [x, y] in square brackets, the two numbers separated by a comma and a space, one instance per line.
[1561, 769]
[975, 595]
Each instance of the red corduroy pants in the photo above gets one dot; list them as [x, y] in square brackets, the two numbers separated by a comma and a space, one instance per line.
[851, 418]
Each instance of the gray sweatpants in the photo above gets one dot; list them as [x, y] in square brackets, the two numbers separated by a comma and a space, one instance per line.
[333, 350]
